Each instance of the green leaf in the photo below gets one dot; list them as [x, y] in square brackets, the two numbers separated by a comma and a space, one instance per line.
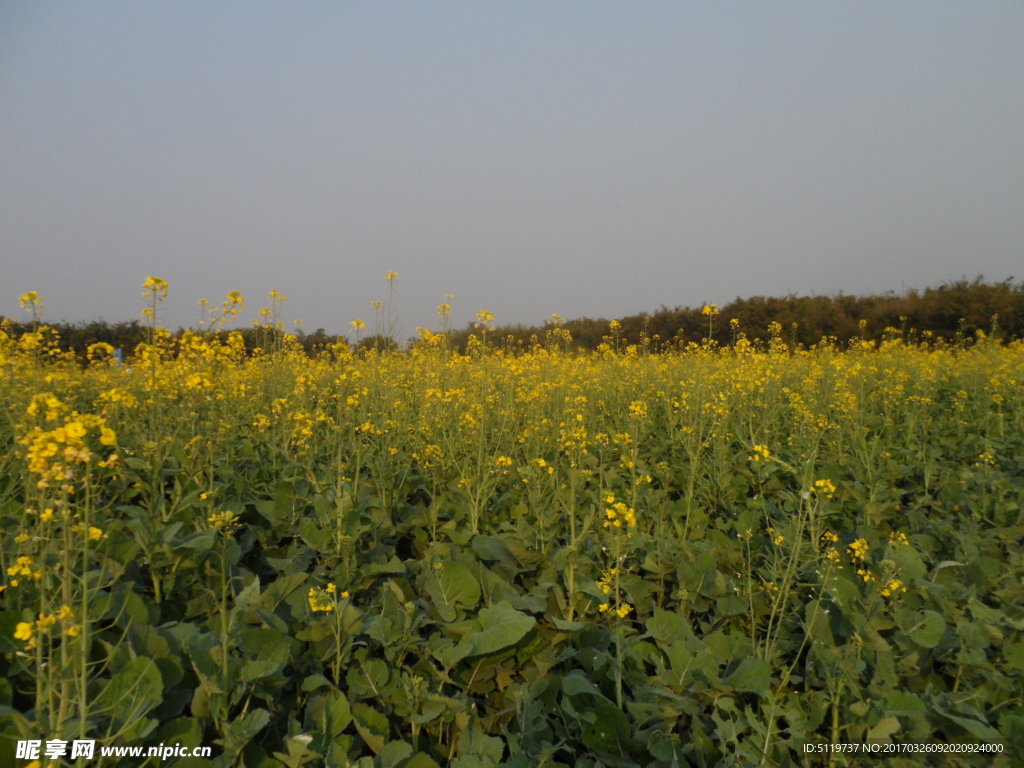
[131, 693]
[392, 754]
[817, 618]
[883, 731]
[372, 726]
[752, 675]
[575, 683]
[455, 585]
[925, 628]
[500, 627]
[273, 662]
[240, 732]
[609, 731]
[421, 760]
[313, 682]
[476, 748]
[667, 627]
[904, 704]
[339, 714]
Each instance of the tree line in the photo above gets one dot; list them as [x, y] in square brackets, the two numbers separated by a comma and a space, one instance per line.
[950, 311]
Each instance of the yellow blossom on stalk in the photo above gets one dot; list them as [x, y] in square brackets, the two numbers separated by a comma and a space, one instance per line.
[224, 522]
[892, 587]
[638, 410]
[607, 580]
[898, 539]
[95, 533]
[865, 574]
[824, 488]
[320, 600]
[710, 310]
[24, 566]
[859, 549]
[761, 453]
[31, 299]
[618, 515]
[503, 461]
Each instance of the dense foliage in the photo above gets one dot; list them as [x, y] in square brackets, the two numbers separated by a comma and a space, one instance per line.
[708, 556]
[950, 311]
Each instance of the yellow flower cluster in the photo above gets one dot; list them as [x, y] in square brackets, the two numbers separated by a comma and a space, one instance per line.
[224, 522]
[29, 631]
[824, 488]
[761, 453]
[326, 599]
[892, 587]
[859, 549]
[638, 410]
[23, 566]
[619, 515]
[622, 611]
[52, 454]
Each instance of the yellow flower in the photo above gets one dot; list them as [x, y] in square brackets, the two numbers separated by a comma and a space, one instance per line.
[319, 600]
[761, 453]
[824, 488]
[95, 533]
[859, 549]
[23, 631]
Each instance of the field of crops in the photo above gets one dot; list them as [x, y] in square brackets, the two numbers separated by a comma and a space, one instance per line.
[413, 559]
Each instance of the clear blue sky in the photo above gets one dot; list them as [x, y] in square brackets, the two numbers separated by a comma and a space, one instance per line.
[584, 158]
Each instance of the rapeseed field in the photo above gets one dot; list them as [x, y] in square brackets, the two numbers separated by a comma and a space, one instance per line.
[733, 555]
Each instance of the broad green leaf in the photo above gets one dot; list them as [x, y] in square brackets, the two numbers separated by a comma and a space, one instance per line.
[883, 730]
[313, 682]
[575, 683]
[752, 675]
[609, 732]
[903, 704]
[455, 585]
[421, 760]
[392, 754]
[132, 692]
[500, 627]
[240, 732]
[476, 748]
[925, 628]
[372, 726]
[667, 627]
[816, 614]
[273, 661]
[339, 714]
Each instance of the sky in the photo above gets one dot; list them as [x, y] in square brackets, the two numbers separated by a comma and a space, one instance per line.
[590, 159]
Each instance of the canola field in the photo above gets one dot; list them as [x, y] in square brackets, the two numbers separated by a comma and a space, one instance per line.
[748, 555]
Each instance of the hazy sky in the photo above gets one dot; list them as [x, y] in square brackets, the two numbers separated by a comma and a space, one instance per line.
[584, 158]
